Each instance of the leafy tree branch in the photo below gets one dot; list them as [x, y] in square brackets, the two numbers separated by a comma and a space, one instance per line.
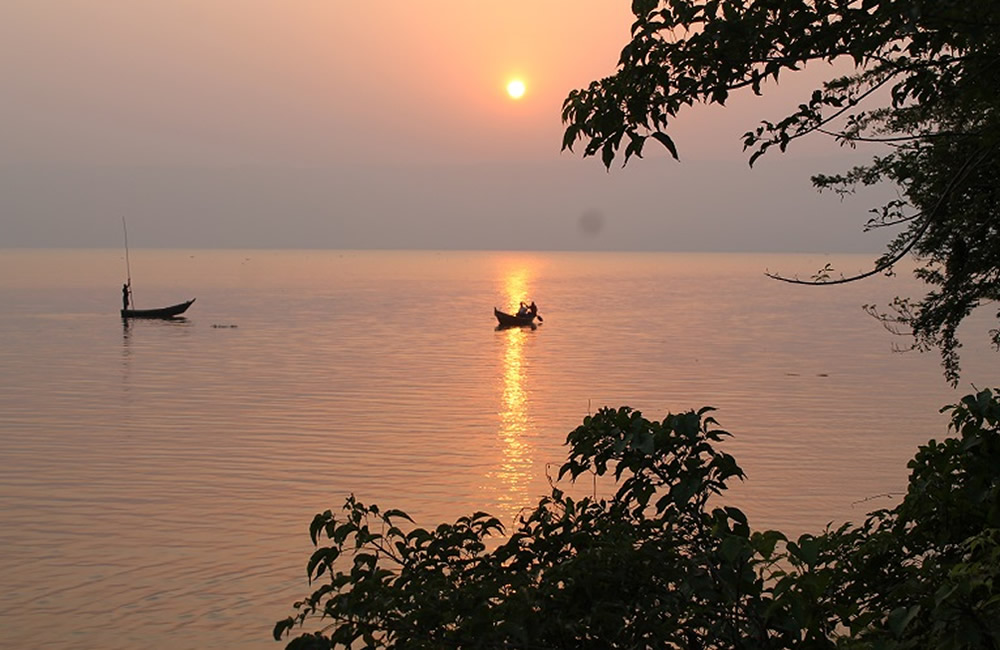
[923, 89]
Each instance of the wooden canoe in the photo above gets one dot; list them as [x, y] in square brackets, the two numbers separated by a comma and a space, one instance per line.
[513, 320]
[162, 312]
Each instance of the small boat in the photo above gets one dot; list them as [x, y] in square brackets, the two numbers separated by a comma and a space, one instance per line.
[514, 320]
[162, 312]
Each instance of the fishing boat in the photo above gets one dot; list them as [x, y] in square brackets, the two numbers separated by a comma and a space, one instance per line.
[514, 320]
[163, 312]
[127, 310]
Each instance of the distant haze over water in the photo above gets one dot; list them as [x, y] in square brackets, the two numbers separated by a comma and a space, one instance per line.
[561, 205]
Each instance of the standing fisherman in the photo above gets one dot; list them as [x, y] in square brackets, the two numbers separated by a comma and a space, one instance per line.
[127, 287]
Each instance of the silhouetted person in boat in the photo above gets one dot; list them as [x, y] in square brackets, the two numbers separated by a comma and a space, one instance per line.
[523, 309]
[533, 308]
[125, 296]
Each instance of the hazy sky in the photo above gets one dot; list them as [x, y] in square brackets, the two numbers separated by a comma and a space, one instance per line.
[335, 124]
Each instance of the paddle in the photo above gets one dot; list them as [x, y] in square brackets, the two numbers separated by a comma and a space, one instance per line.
[539, 317]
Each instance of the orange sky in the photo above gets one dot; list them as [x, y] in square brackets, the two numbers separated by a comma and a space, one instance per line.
[256, 123]
[262, 81]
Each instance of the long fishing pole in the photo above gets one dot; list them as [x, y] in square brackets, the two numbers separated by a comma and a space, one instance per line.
[128, 267]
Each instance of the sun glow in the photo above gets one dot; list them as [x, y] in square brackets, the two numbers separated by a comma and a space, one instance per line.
[515, 89]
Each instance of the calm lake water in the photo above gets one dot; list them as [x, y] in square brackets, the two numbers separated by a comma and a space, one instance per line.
[157, 479]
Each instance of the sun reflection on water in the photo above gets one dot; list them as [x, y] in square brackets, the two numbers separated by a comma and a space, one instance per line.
[513, 473]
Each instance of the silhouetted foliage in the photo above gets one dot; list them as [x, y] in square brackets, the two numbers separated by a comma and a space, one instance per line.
[655, 566]
[924, 87]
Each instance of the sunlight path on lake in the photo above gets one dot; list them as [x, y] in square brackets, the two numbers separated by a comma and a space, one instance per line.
[514, 472]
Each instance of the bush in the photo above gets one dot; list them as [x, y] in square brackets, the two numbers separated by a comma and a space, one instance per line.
[655, 566]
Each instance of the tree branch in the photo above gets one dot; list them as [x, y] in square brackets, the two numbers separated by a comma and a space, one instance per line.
[887, 264]
[902, 138]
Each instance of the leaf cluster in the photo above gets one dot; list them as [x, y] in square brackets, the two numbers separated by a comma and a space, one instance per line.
[924, 574]
[661, 564]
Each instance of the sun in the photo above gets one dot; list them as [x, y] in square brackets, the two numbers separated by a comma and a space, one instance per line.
[515, 89]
